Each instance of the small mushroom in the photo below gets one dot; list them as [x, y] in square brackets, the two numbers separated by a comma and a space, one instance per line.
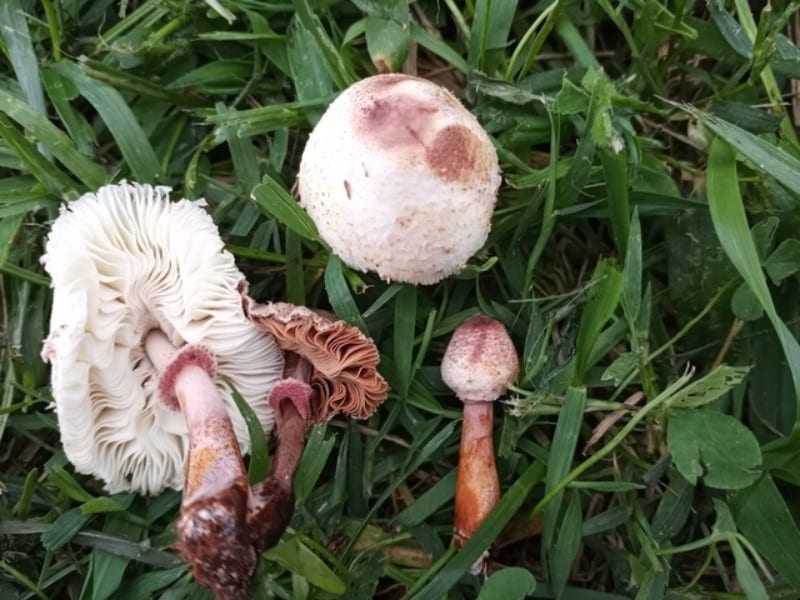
[478, 365]
[146, 323]
[400, 178]
[331, 368]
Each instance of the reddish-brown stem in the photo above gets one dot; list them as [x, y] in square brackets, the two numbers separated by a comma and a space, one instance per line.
[272, 500]
[477, 483]
[211, 531]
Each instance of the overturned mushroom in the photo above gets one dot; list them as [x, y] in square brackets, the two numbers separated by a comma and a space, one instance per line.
[146, 323]
[479, 364]
[331, 368]
[400, 178]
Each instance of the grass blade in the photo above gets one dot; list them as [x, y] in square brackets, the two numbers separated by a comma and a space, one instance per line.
[763, 516]
[119, 119]
[20, 50]
[768, 158]
[54, 140]
[273, 199]
[562, 451]
[730, 223]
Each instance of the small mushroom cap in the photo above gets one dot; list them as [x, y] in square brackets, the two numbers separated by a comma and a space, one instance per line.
[125, 261]
[400, 178]
[345, 361]
[480, 361]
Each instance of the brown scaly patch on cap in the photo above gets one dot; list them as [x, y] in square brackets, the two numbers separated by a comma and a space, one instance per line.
[345, 361]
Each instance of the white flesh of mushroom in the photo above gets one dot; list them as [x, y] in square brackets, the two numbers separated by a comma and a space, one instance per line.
[125, 261]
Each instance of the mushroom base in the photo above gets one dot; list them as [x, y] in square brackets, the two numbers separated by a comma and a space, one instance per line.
[212, 539]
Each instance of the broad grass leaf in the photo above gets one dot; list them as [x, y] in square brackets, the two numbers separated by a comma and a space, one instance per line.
[622, 366]
[53, 139]
[339, 70]
[632, 270]
[107, 569]
[298, 558]
[730, 223]
[405, 317]
[273, 199]
[730, 29]
[511, 583]
[765, 156]
[50, 176]
[61, 92]
[441, 493]
[561, 454]
[615, 172]
[106, 504]
[489, 34]
[259, 451]
[265, 119]
[747, 117]
[120, 121]
[714, 446]
[339, 294]
[747, 575]
[64, 528]
[566, 546]
[19, 49]
[66, 483]
[388, 40]
[309, 72]
[762, 515]
[439, 47]
[604, 295]
[145, 586]
[318, 449]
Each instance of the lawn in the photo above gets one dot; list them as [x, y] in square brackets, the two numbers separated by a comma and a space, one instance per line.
[644, 257]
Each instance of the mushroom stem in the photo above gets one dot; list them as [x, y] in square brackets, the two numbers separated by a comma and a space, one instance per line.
[272, 500]
[477, 483]
[211, 534]
[479, 363]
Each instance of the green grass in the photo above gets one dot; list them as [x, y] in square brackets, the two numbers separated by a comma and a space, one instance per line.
[644, 255]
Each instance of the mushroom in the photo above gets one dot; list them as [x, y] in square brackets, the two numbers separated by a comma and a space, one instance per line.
[478, 365]
[331, 368]
[146, 328]
[400, 178]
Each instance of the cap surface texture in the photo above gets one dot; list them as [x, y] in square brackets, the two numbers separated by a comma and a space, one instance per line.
[480, 361]
[400, 179]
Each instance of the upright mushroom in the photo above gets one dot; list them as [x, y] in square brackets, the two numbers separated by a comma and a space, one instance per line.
[478, 365]
[400, 178]
[331, 368]
[147, 320]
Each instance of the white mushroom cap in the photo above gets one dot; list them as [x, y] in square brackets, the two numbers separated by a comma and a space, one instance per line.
[124, 261]
[400, 178]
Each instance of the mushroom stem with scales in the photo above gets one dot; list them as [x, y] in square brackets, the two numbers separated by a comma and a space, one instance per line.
[330, 368]
[211, 531]
[146, 309]
[478, 365]
[272, 500]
